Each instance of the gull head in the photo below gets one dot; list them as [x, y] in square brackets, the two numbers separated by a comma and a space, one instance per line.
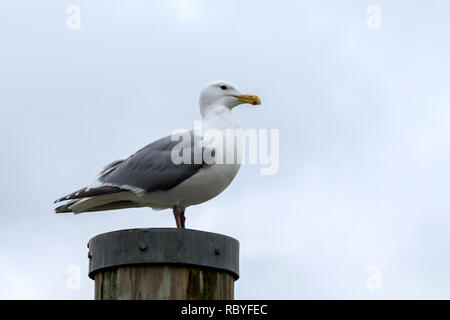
[223, 93]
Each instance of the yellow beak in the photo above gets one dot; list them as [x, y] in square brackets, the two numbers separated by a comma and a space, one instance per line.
[249, 98]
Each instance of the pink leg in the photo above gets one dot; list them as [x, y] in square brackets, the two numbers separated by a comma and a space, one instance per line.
[182, 219]
[176, 214]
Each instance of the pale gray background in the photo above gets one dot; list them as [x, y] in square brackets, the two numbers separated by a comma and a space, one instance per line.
[364, 133]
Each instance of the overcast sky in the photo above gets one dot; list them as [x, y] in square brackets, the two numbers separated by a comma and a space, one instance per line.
[363, 116]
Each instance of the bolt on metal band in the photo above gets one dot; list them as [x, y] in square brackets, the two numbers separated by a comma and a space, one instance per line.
[163, 246]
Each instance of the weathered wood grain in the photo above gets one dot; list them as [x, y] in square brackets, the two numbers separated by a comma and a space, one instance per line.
[166, 282]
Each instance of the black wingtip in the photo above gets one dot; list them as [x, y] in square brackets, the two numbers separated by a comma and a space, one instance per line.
[63, 209]
[90, 192]
[60, 199]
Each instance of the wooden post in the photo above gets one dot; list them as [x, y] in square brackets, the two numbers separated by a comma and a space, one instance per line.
[163, 263]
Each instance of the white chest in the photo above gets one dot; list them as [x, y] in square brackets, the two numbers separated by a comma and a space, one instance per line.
[219, 129]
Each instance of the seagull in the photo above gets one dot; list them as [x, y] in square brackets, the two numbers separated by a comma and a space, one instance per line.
[154, 177]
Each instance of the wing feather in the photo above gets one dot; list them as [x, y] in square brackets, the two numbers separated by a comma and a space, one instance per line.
[152, 169]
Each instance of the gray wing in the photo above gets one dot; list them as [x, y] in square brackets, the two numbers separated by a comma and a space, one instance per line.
[152, 169]
[149, 169]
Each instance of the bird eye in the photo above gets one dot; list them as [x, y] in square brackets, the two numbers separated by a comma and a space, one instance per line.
[223, 87]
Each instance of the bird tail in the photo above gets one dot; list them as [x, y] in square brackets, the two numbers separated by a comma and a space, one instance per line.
[120, 200]
[91, 192]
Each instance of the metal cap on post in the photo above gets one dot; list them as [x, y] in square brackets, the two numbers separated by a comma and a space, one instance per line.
[163, 263]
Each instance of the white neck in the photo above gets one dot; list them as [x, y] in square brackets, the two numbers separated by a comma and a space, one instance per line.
[218, 117]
